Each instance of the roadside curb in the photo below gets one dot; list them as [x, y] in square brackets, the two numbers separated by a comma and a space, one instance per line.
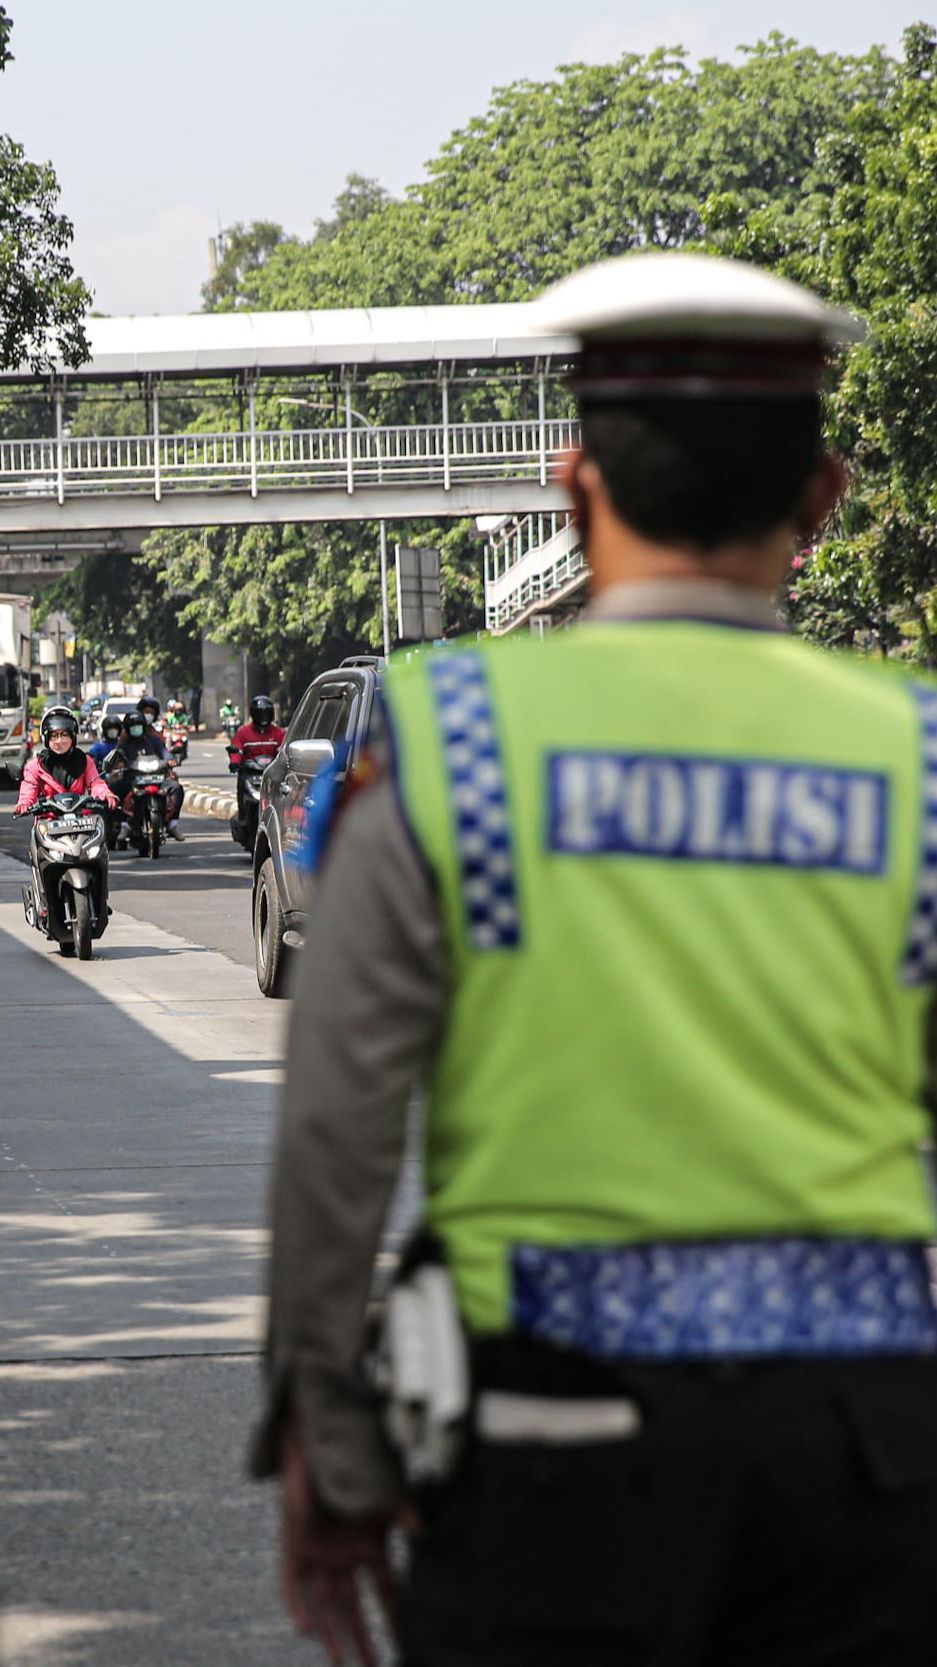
[203, 800]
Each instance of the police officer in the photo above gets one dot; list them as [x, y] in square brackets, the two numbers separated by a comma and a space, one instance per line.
[652, 908]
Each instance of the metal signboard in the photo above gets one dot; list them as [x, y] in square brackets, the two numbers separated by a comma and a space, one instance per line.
[419, 594]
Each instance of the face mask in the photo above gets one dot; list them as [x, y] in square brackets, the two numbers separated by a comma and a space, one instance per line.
[136, 730]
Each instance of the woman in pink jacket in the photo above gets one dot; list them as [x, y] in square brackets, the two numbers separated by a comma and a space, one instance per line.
[61, 766]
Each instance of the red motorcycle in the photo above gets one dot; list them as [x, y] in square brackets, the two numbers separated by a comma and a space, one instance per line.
[145, 804]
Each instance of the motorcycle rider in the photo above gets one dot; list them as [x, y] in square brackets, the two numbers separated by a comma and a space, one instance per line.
[228, 715]
[110, 735]
[259, 735]
[59, 767]
[140, 736]
[100, 751]
[149, 706]
[176, 731]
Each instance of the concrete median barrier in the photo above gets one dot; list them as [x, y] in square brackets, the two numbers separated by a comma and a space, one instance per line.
[202, 799]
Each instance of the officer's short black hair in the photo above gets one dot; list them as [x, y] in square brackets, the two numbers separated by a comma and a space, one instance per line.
[706, 472]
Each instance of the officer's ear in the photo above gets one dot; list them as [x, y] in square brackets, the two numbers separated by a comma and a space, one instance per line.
[823, 491]
[583, 480]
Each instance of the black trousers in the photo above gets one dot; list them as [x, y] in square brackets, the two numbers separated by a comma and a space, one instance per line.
[778, 1514]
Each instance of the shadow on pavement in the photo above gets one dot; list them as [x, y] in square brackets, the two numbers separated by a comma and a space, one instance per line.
[103, 951]
[164, 877]
[133, 1178]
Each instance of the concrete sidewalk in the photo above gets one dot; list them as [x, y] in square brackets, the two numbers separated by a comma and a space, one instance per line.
[139, 1094]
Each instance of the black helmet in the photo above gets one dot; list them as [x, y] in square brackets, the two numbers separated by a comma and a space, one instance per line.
[148, 702]
[111, 728]
[261, 711]
[135, 723]
[58, 718]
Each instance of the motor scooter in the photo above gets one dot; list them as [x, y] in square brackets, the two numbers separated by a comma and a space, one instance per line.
[249, 773]
[145, 803]
[67, 898]
[177, 743]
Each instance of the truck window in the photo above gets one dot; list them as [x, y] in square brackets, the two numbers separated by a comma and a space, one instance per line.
[335, 713]
[10, 686]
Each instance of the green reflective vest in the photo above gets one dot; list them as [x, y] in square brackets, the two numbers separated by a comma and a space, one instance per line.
[687, 875]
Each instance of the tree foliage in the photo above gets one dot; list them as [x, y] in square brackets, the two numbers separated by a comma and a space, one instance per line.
[124, 613]
[874, 248]
[42, 302]
[242, 251]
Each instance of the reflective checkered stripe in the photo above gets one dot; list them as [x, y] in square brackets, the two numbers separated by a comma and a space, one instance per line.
[479, 799]
[749, 1297]
[919, 965]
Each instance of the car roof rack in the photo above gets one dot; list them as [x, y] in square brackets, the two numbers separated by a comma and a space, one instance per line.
[362, 660]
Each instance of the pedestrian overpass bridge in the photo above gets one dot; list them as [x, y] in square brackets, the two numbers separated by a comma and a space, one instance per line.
[452, 362]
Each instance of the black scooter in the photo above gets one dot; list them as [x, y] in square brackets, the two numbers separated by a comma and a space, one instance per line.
[249, 774]
[67, 900]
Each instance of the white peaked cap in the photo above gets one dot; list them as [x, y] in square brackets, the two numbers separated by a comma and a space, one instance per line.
[670, 294]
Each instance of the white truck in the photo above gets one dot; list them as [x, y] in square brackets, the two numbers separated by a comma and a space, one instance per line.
[15, 612]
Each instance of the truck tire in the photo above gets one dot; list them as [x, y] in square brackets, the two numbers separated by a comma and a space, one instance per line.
[270, 952]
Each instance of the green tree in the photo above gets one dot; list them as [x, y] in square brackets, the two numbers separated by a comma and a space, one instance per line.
[122, 611]
[42, 302]
[299, 598]
[874, 247]
[360, 198]
[243, 251]
[601, 159]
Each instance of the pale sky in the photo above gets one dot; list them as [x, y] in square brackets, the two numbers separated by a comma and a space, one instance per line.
[166, 120]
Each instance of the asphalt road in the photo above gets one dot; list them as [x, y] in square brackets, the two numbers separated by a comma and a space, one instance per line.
[139, 1097]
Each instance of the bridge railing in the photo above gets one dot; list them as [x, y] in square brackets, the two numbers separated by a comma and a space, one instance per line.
[418, 454]
[534, 561]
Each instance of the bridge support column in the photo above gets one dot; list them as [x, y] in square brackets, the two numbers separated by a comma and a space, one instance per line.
[252, 415]
[542, 420]
[157, 481]
[59, 447]
[385, 604]
[446, 471]
[222, 674]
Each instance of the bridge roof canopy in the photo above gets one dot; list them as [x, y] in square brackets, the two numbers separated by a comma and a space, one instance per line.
[283, 343]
